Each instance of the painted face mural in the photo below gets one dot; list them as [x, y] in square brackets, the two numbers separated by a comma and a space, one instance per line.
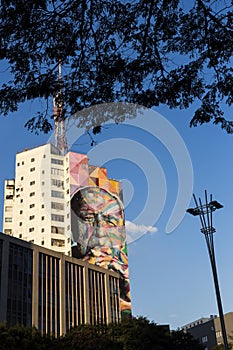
[98, 217]
[98, 230]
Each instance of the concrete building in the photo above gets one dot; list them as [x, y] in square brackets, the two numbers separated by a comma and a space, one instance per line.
[35, 202]
[51, 291]
[228, 319]
[208, 330]
[62, 203]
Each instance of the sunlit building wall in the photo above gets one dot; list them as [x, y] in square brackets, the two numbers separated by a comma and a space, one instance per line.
[53, 292]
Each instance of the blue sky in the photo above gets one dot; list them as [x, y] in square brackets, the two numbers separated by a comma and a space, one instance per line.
[171, 280]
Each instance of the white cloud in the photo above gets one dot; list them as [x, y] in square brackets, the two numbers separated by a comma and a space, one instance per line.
[134, 231]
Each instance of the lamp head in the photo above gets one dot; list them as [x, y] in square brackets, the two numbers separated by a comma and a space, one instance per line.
[215, 205]
[193, 211]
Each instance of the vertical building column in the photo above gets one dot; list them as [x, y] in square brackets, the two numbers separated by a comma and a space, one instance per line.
[86, 294]
[35, 286]
[4, 280]
[107, 296]
[62, 281]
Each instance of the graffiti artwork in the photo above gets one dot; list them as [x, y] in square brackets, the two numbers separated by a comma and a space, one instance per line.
[98, 225]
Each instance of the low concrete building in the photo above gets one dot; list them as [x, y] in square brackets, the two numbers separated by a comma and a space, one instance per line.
[208, 330]
[51, 291]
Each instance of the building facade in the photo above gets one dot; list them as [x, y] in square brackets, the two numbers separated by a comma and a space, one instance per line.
[228, 320]
[208, 330]
[53, 292]
[62, 203]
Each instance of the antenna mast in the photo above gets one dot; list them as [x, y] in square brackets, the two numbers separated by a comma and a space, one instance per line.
[59, 123]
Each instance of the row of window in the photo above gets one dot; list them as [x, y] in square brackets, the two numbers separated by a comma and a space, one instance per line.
[54, 205]
[54, 230]
[56, 171]
[56, 194]
[56, 161]
[57, 183]
[53, 161]
[54, 182]
[54, 217]
[57, 206]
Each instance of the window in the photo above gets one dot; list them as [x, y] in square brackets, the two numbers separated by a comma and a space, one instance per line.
[31, 229]
[55, 171]
[58, 206]
[42, 230]
[204, 339]
[21, 200]
[8, 219]
[9, 196]
[43, 171]
[56, 161]
[18, 164]
[32, 169]
[42, 206]
[56, 217]
[21, 178]
[8, 208]
[32, 159]
[21, 189]
[20, 235]
[42, 218]
[22, 162]
[57, 194]
[21, 211]
[55, 229]
[32, 194]
[32, 205]
[32, 183]
[42, 242]
[68, 191]
[218, 334]
[20, 224]
[31, 217]
[57, 183]
[8, 231]
[44, 156]
[68, 215]
[57, 242]
[68, 227]
[42, 183]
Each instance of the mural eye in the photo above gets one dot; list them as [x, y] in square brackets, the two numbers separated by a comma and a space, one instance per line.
[110, 220]
[86, 216]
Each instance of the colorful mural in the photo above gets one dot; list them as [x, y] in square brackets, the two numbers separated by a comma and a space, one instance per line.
[98, 224]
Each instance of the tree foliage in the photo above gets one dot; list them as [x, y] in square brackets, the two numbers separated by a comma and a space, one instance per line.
[131, 334]
[148, 52]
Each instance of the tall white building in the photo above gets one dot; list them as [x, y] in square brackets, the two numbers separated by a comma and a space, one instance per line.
[37, 201]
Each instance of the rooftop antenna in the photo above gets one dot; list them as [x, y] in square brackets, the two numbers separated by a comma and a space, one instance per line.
[59, 123]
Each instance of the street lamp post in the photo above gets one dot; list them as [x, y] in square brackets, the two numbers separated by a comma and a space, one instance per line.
[204, 211]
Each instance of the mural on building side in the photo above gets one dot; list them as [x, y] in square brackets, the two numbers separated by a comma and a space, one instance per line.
[98, 223]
